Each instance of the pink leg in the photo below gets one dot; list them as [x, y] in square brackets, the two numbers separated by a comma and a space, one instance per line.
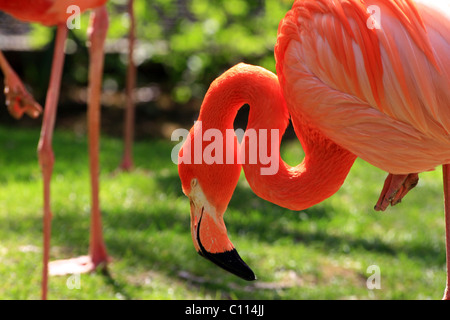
[45, 152]
[97, 249]
[446, 174]
[18, 99]
[127, 160]
[97, 36]
[395, 188]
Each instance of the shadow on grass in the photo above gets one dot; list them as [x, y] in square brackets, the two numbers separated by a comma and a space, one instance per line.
[146, 238]
[117, 286]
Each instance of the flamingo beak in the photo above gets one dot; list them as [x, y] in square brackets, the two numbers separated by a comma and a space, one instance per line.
[211, 242]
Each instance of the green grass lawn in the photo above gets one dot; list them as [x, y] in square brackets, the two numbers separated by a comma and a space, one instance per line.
[320, 253]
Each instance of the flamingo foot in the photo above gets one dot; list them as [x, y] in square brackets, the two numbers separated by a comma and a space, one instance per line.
[78, 265]
[97, 259]
[18, 99]
[395, 188]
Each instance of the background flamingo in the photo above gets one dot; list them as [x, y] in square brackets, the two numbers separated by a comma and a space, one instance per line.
[127, 159]
[50, 12]
[18, 99]
[380, 94]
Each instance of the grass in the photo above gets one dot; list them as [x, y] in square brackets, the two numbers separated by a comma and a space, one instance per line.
[321, 253]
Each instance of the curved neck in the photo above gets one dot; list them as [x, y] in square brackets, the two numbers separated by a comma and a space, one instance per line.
[325, 165]
[320, 175]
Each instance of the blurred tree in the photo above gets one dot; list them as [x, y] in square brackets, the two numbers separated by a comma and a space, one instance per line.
[193, 41]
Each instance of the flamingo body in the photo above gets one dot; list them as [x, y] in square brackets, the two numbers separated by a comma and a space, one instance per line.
[382, 94]
[46, 12]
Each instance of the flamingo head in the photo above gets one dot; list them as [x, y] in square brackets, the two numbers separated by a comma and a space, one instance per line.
[209, 188]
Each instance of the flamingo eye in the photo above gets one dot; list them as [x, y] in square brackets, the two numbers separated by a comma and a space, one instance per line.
[194, 182]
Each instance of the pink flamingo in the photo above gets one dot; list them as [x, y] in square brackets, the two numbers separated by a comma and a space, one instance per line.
[50, 13]
[351, 90]
[18, 99]
[127, 159]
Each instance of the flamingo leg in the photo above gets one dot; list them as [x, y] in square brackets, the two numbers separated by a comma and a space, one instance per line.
[18, 99]
[446, 175]
[97, 248]
[395, 188]
[45, 152]
[97, 36]
[127, 160]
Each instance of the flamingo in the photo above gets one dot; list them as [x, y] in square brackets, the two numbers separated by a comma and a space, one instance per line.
[18, 99]
[351, 90]
[50, 13]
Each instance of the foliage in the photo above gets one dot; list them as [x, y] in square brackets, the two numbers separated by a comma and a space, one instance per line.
[193, 40]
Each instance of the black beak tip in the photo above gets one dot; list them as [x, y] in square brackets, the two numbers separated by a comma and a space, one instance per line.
[228, 260]
[231, 262]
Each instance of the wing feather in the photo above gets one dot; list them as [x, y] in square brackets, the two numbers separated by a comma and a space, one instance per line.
[371, 90]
